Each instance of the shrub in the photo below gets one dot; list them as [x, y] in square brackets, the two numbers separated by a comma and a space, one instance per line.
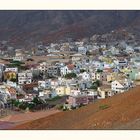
[16, 103]
[54, 99]
[82, 70]
[97, 82]
[23, 106]
[13, 79]
[93, 87]
[59, 107]
[102, 107]
[73, 107]
[98, 70]
[64, 109]
[70, 75]
[31, 106]
[37, 101]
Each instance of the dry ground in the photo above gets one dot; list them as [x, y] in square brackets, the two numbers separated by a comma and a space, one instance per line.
[123, 112]
[18, 119]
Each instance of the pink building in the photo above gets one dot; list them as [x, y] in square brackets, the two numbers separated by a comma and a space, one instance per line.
[74, 101]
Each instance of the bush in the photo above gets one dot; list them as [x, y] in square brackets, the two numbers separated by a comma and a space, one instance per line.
[23, 105]
[70, 75]
[37, 101]
[82, 70]
[97, 82]
[54, 99]
[102, 107]
[73, 107]
[16, 103]
[59, 107]
[31, 106]
[81, 105]
[13, 79]
[98, 70]
[94, 87]
[64, 109]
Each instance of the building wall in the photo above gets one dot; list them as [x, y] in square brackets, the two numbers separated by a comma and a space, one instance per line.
[110, 77]
[9, 75]
[63, 90]
[60, 91]
[24, 78]
[117, 87]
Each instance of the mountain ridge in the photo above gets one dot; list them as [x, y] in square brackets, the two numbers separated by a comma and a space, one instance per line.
[32, 26]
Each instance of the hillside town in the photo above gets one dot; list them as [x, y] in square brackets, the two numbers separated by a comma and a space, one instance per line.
[66, 75]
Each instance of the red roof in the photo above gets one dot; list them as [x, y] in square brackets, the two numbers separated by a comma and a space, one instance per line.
[12, 91]
[70, 66]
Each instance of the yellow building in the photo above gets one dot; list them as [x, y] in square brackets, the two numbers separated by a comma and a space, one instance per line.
[125, 70]
[110, 77]
[9, 75]
[107, 60]
[104, 92]
[63, 90]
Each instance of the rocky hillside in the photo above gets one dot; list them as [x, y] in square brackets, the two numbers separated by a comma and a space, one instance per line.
[49, 26]
[118, 112]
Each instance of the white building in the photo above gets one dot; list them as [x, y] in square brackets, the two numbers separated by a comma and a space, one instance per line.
[129, 49]
[65, 70]
[11, 69]
[85, 76]
[98, 65]
[121, 63]
[114, 50]
[119, 86]
[82, 50]
[42, 67]
[47, 94]
[25, 78]
[76, 92]
[44, 84]
[18, 58]
[19, 52]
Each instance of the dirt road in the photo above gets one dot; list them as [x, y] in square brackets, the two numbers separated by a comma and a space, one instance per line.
[13, 120]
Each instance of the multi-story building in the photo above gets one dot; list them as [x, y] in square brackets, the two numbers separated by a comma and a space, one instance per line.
[12, 69]
[42, 67]
[82, 50]
[24, 78]
[99, 76]
[53, 71]
[44, 84]
[119, 86]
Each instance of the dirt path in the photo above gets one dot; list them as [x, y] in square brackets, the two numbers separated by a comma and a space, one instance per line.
[13, 120]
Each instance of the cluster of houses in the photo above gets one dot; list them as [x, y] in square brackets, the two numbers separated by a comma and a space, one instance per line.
[83, 72]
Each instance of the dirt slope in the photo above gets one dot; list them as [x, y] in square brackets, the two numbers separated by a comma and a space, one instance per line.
[123, 112]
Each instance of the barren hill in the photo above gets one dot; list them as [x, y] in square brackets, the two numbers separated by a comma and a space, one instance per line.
[121, 112]
[30, 26]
